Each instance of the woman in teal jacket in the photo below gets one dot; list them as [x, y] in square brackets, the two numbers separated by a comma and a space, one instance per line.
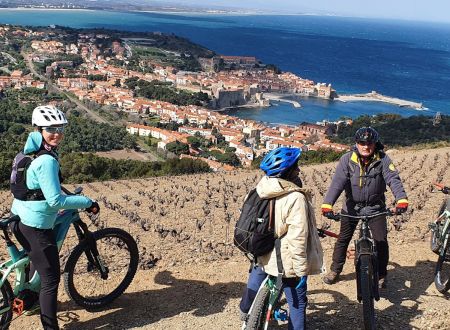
[39, 210]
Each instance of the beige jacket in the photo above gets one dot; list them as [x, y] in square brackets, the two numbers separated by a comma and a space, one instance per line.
[301, 250]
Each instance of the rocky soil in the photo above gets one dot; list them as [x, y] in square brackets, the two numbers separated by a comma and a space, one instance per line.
[191, 276]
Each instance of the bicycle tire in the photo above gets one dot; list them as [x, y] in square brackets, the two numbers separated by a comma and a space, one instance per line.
[366, 281]
[442, 273]
[111, 258]
[434, 241]
[7, 296]
[257, 316]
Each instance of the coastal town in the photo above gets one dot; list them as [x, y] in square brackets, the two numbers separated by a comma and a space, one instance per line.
[86, 68]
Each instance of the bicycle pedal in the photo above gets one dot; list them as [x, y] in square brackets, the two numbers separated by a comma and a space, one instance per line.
[17, 306]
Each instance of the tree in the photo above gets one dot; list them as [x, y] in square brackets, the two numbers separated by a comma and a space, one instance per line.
[178, 148]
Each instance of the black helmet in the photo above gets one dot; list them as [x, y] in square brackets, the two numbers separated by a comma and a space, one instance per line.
[366, 134]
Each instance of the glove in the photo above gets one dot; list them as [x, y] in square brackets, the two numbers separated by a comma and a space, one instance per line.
[327, 211]
[302, 282]
[94, 208]
[402, 206]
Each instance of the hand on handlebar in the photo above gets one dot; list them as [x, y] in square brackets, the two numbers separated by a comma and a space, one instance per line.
[302, 282]
[94, 208]
[327, 211]
[401, 207]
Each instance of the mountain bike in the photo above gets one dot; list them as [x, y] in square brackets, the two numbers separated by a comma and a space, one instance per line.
[98, 270]
[440, 244]
[366, 265]
[267, 306]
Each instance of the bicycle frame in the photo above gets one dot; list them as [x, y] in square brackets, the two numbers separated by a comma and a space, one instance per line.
[19, 259]
[365, 245]
[444, 234]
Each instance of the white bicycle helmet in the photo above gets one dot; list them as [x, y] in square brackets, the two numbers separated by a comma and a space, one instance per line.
[48, 115]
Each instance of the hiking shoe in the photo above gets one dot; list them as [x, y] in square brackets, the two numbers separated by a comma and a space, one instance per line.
[30, 301]
[33, 310]
[331, 278]
[382, 283]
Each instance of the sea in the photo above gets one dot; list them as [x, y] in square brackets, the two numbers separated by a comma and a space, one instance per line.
[403, 59]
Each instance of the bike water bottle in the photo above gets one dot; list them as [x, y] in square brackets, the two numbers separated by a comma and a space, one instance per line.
[280, 314]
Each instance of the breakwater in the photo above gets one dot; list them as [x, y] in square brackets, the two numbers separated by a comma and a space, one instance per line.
[376, 97]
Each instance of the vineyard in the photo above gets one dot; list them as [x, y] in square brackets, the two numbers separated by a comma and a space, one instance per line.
[191, 276]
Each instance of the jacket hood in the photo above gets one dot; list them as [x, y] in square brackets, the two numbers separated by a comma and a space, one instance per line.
[275, 187]
[34, 143]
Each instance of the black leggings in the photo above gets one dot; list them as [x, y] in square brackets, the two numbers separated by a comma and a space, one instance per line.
[40, 245]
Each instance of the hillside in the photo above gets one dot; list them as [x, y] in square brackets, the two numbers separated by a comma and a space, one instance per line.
[185, 224]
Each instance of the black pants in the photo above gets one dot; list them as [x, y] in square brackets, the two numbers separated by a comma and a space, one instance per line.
[40, 245]
[378, 228]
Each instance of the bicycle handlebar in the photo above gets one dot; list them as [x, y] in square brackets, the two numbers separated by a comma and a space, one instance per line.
[339, 216]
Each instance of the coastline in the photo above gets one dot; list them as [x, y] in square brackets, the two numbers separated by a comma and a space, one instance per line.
[47, 9]
[376, 97]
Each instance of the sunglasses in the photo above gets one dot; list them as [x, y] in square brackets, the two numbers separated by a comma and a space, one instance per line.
[54, 129]
[366, 143]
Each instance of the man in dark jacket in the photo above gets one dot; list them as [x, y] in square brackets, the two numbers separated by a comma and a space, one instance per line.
[363, 174]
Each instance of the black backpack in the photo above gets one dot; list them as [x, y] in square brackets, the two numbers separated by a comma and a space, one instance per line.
[254, 232]
[18, 179]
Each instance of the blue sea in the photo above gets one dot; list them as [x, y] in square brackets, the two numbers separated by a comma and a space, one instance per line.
[404, 59]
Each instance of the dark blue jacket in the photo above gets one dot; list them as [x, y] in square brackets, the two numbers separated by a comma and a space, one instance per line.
[364, 186]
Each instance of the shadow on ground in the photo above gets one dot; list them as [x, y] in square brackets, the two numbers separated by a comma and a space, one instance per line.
[146, 307]
[398, 306]
[327, 309]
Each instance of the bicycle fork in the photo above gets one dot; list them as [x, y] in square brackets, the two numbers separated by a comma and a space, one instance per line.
[92, 255]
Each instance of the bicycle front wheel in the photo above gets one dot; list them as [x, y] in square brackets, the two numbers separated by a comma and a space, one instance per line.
[257, 316]
[6, 298]
[366, 281]
[442, 274]
[118, 256]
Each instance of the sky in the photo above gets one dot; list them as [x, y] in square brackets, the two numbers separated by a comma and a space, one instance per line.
[422, 10]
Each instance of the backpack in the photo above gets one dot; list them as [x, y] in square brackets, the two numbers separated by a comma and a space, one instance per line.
[254, 232]
[18, 179]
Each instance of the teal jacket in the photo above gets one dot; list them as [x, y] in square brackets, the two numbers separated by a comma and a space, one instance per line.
[43, 174]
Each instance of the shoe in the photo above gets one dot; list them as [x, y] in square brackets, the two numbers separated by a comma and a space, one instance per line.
[331, 278]
[33, 310]
[382, 283]
[30, 301]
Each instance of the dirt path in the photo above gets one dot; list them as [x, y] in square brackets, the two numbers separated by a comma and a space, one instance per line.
[206, 296]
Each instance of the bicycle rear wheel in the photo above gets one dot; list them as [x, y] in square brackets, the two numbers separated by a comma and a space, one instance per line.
[6, 298]
[257, 315]
[442, 273]
[82, 278]
[366, 281]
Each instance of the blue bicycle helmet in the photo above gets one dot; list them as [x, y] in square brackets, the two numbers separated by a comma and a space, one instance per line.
[279, 160]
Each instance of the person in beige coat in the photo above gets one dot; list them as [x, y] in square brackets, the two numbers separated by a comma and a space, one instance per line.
[301, 250]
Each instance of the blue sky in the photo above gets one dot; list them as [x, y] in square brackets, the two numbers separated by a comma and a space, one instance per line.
[430, 10]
